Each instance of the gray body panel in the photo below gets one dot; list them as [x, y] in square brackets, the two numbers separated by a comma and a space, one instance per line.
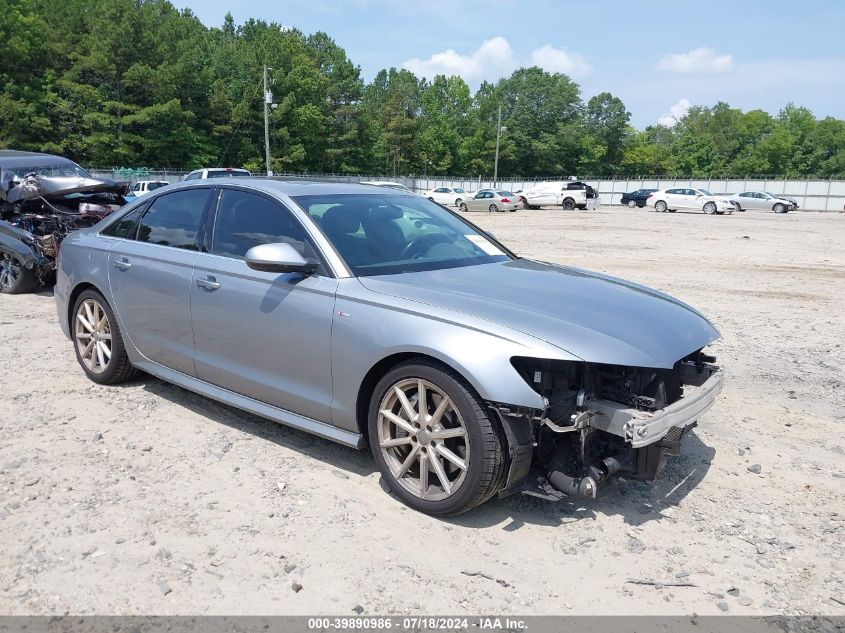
[297, 349]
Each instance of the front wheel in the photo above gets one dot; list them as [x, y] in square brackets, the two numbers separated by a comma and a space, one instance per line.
[458, 202]
[492, 208]
[660, 206]
[15, 278]
[778, 208]
[99, 344]
[710, 208]
[463, 208]
[632, 204]
[431, 436]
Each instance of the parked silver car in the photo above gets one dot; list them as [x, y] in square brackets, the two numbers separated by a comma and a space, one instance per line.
[369, 316]
[491, 200]
[762, 200]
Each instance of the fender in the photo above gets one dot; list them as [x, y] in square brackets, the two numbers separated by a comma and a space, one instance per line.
[21, 243]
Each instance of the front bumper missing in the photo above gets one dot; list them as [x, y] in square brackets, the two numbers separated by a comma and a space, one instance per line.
[641, 428]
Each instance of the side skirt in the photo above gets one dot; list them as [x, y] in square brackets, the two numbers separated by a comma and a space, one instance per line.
[327, 431]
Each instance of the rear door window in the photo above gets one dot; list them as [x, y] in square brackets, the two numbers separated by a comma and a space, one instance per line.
[174, 219]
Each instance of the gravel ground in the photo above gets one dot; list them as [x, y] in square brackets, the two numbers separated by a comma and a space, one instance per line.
[145, 498]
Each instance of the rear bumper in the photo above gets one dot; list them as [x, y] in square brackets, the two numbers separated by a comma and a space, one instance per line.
[641, 428]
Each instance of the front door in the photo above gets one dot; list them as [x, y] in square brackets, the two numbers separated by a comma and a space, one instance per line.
[150, 274]
[262, 335]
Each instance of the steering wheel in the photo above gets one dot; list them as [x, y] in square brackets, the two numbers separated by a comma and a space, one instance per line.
[417, 247]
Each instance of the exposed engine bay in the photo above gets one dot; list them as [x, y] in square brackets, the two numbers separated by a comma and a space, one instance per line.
[603, 421]
[41, 204]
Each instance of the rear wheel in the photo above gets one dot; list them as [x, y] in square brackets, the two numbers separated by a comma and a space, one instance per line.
[710, 208]
[660, 206]
[463, 208]
[431, 436]
[15, 278]
[99, 345]
[493, 208]
[568, 204]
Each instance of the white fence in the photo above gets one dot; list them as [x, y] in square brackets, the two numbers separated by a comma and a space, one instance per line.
[811, 195]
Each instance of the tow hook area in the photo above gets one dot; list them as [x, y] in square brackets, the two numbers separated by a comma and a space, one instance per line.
[572, 487]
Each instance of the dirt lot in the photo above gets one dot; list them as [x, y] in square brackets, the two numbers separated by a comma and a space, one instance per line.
[148, 499]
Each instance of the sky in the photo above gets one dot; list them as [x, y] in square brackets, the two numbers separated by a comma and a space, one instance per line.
[658, 56]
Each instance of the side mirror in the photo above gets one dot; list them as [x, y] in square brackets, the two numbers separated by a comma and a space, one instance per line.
[698, 195]
[278, 258]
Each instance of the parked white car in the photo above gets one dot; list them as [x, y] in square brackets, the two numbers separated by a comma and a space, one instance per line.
[569, 194]
[686, 198]
[146, 186]
[217, 172]
[763, 200]
[447, 195]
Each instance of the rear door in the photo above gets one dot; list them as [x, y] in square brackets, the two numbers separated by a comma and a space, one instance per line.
[150, 274]
[262, 335]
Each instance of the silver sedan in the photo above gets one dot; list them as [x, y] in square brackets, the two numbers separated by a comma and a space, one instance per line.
[492, 200]
[376, 318]
[763, 200]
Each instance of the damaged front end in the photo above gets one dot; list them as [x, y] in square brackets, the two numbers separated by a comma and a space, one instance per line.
[40, 205]
[602, 421]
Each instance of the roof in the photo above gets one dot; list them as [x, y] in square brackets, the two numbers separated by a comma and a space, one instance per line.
[293, 188]
[15, 158]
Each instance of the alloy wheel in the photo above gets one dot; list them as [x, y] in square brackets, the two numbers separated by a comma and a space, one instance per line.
[710, 208]
[93, 336]
[493, 208]
[632, 203]
[423, 439]
[10, 271]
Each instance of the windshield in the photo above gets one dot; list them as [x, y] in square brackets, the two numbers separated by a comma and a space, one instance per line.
[459, 190]
[504, 194]
[705, 192]
[772, 195]
[230, 173]
[67, 169]
[395, 233]
[156, 185]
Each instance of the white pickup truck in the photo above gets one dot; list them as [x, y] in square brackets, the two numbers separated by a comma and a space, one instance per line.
[569, 194]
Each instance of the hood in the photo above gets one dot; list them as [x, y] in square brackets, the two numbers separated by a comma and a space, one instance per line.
[35, 186]
[597, 318]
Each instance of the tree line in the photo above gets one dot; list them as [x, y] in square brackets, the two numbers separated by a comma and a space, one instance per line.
[138, 82]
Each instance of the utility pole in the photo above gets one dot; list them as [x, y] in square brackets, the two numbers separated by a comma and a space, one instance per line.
[268, 99]
[498, 134]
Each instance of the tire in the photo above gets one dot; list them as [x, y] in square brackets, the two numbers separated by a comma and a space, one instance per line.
[117, 367]
[778, 208]
[458, 202]
[463, 208]
[710, 208]
[15, 278]
[430, 198]
[481, 448]
[632, 204]
[493, 208]
[738, 207]
[568, 204]
[660, 206]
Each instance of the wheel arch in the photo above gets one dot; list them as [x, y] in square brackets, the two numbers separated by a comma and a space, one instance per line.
[73, 295]
[377, 372]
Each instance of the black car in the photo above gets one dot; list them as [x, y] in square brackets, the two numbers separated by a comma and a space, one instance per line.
[42, 198]
[637, 198]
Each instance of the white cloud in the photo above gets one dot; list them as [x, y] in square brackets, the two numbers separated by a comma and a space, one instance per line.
[494, 59]
[698, 61]
[559, 60]
[675, 114]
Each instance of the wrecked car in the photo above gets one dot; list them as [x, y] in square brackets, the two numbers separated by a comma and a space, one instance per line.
[377, 318]
[42, 198]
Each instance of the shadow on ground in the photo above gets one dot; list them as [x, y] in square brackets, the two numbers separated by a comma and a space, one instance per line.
[637, 502]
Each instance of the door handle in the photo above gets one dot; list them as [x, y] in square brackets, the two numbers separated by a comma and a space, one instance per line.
[208, 283]
[122, 264]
